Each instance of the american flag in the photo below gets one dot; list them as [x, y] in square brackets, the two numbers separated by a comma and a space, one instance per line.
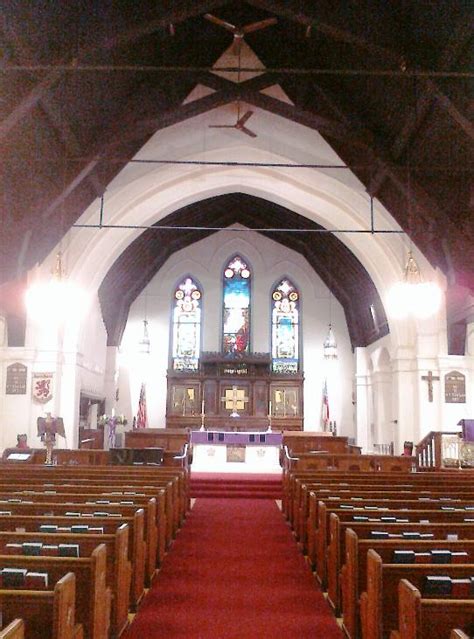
[325, 411]
[141, 415]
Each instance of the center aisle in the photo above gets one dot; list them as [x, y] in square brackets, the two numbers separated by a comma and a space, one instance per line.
[234, 572]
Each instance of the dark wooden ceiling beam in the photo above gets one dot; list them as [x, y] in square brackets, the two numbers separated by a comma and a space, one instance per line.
[53, 113]
[28, 102]
[182, 10]
[292, 10]
[461, 120]
[69, 139]
[416, 118]
[331, 128]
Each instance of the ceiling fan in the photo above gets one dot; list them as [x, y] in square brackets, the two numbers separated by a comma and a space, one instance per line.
[239, 125]
[240, 32]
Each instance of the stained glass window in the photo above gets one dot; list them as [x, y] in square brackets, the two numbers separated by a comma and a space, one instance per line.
[186, 326]
[236, 312]
[285, 328]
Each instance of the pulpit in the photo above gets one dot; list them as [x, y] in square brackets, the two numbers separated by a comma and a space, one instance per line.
[235, 394]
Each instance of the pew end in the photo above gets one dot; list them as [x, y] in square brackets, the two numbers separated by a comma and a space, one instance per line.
[14, 630]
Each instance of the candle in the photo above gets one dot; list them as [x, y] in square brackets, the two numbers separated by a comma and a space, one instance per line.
[113, 412]
[270, 408]
[202, 407]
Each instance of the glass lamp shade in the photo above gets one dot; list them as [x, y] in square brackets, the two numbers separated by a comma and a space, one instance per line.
[412, 296]
[330, 345]
[144, 343]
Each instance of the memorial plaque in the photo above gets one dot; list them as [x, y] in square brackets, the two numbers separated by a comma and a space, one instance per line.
[16, 379]
[455, 388]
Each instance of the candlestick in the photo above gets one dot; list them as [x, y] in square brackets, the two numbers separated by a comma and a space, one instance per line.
[202, 415]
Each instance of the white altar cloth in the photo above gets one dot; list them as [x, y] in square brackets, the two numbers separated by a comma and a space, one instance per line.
[259, 458]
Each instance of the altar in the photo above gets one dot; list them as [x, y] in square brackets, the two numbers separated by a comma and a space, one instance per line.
[236, 452]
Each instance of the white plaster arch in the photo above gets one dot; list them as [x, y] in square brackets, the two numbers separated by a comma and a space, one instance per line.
[175, 271]
[299, 277]
[314, 194]
[231, 245]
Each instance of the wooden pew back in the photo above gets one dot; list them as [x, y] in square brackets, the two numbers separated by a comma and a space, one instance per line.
[420, 618]
[46, 614]
[379, 603]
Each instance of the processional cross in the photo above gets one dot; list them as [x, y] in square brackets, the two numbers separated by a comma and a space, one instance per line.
[430, 378]
[234, 399]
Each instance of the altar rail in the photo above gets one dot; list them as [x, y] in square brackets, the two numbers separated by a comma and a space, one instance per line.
[437, 448]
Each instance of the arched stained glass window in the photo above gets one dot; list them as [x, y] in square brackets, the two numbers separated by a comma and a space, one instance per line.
[236, 311]
[186, 326]
[285, 327]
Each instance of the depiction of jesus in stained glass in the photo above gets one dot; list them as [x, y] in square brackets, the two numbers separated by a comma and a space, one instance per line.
[236, 315]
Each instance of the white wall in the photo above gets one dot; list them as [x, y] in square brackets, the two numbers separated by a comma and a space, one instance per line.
[269, 262]
[77, 362]
[401, 407]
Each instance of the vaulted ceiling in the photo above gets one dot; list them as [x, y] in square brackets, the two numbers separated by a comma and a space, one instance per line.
[388, 85]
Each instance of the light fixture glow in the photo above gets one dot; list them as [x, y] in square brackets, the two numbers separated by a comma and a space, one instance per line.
[57, 300]
[412, 296]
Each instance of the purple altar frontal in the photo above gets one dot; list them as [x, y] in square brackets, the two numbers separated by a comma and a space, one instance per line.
[215, 437]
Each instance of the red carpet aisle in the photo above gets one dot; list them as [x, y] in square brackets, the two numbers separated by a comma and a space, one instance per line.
[234, 572]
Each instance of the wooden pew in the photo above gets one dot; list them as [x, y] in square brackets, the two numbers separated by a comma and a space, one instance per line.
[99, 474]
[416, 516]
[420, 618]
[391, 500]
[137, 546]
[118, 571]
[458, 634]
[93, 598]
[308, 494]
[335, 549]
[88, 491]
[295, 479]
[14, 630]
[379, 603]
[354, 572]
[45, 614]
[86, 516]
[133, 482]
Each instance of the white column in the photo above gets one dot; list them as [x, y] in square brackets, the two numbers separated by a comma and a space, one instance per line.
[470, 336]
[111, 379]
[405, 394]
[383, 413]
[362, 399]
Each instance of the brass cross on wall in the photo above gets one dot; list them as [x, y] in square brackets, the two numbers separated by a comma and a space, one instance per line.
[430, 378]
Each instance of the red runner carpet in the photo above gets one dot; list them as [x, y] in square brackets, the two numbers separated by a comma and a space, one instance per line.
[236, 485]
[234, 572]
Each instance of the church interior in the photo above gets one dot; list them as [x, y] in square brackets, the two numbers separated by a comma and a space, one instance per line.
[237, 258]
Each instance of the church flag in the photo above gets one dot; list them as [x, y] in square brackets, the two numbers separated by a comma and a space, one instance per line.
[141, 415]
[325, 411]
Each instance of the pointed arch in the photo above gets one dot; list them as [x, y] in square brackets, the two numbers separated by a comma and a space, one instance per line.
[186, 331]
[285, 334]
[236, 289]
